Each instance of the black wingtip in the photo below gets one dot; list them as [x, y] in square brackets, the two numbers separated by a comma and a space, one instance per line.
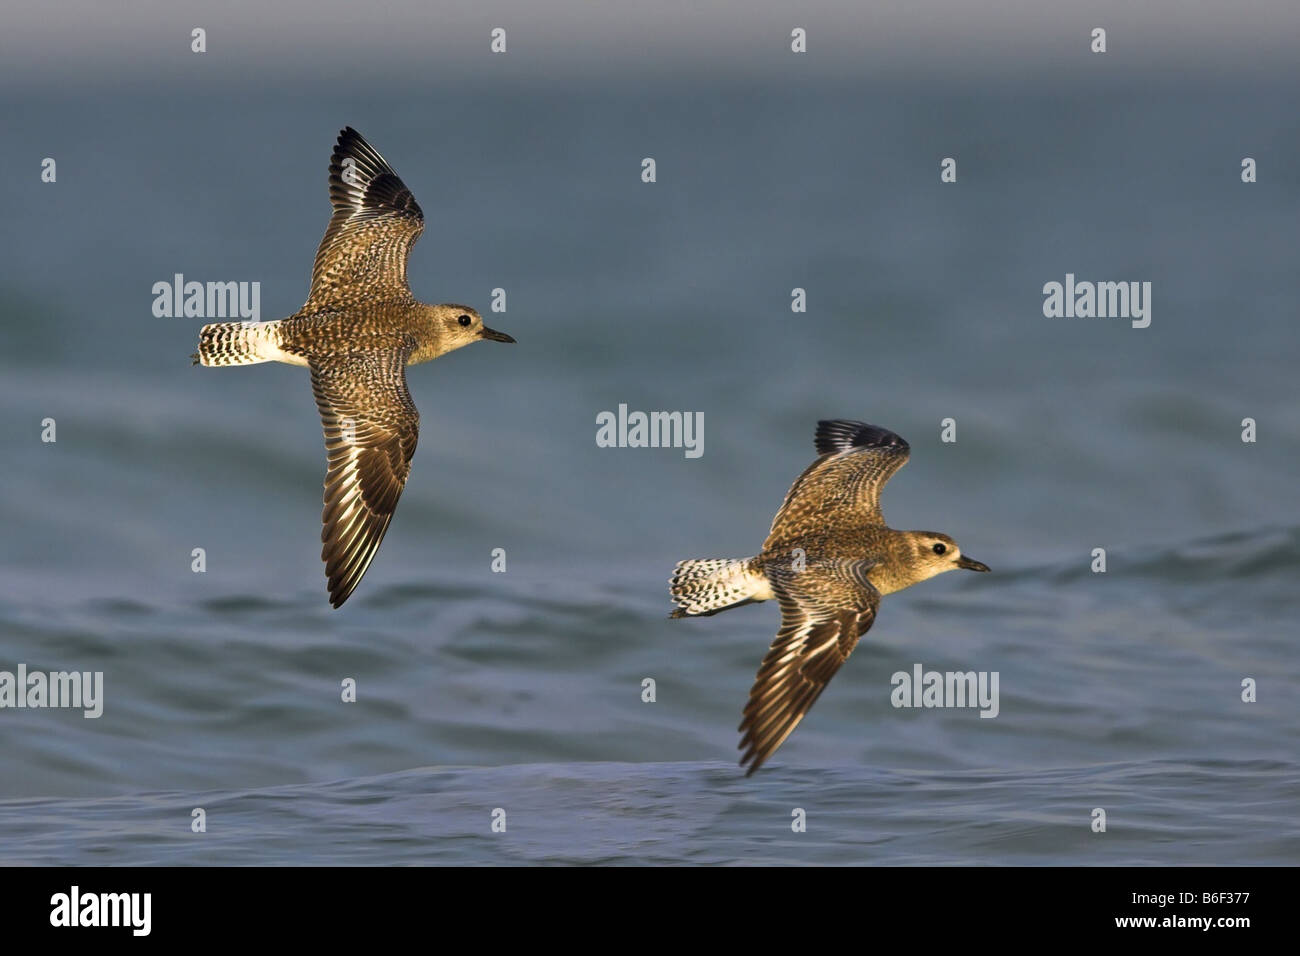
[351, 143]
[372, 184]
[348, 140]
[341, 590]
[841, 434]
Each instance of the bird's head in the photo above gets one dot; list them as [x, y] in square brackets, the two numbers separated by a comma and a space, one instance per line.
[459, 325]
[934, 553]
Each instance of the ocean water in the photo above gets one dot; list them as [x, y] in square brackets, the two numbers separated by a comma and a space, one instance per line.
[522, 691]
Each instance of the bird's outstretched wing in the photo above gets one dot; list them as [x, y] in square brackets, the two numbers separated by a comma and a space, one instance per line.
[842, 487]
[371, 427]
[819, 630]
[368, 241]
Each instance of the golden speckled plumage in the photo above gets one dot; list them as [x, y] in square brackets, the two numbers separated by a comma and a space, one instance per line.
[828, 559]
[357, 332]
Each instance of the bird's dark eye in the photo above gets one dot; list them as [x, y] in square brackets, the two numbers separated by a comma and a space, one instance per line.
[464, 320]
[940, 548]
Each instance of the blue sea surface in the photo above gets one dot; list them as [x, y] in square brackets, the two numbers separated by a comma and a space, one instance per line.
[522, 691]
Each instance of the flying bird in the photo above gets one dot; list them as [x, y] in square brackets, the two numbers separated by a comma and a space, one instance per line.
[828, 559]
[357, 332]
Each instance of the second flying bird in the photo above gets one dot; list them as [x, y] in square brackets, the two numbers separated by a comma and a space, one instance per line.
[828, 559]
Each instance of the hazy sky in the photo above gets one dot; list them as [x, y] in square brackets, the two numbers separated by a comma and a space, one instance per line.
[67, 41]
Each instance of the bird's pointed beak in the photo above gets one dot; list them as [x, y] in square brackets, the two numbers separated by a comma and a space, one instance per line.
[971, 565]
[494, 335]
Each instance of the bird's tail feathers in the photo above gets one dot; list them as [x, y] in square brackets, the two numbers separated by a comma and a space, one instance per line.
[238, 343]
[706, 586]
